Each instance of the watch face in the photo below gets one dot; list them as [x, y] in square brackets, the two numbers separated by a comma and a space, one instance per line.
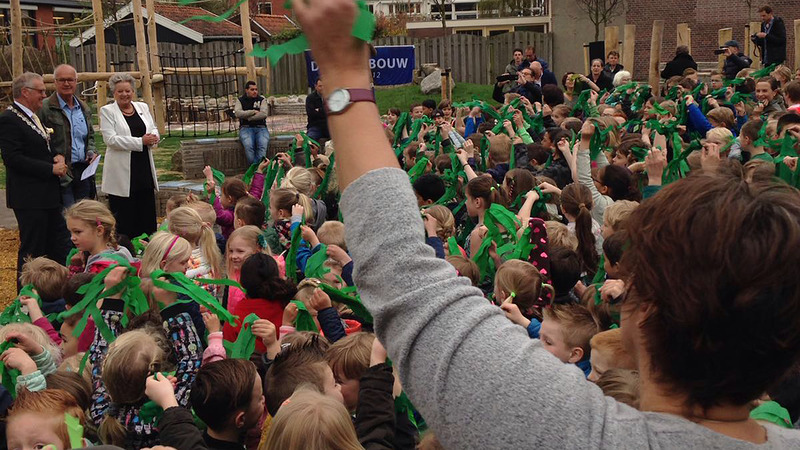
[338, 100]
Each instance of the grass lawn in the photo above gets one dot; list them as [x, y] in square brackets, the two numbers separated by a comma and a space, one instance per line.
[399, 97]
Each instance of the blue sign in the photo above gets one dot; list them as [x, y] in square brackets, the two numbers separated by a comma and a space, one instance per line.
[392, 65]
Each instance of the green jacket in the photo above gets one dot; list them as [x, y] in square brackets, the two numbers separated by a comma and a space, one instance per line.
[53, 116]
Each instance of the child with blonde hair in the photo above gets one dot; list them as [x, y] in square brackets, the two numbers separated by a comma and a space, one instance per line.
[622, 385]
[559, 235]
[349, 358]
[287, 208]
[608, 352]
[92, 229]
[166, 252]
[206, 260]
[37, 420]
[465, 267]
[301, 180]
[615, 215]
[310, 419]
[243, 243]
[33, 354]
[48, 279]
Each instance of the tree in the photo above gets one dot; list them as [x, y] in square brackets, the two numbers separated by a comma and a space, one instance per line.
[601, 12]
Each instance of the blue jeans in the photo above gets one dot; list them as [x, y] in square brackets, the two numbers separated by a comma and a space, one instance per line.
[255, 141]
[78, 189]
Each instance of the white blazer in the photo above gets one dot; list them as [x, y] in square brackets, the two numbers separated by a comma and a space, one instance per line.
[120, 144]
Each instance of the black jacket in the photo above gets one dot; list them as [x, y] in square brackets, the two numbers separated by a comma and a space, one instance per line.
[678, 65]
[30, 182]
[603, 81]
[377, 425]
[775, 43]
[735, 63]
[315, 110]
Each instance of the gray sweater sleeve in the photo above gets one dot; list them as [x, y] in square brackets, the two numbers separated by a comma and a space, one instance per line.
[601, 202]
[478, 379]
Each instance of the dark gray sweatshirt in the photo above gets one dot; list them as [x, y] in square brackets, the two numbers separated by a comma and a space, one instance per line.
[478, 379]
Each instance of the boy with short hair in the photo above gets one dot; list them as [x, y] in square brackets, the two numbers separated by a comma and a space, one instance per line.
[792, 94]
[249, 211]
[349, 359]
[748, 135]
[296, 365]
[48, 278]
[429, 189]
[566, 332]
[615, 215]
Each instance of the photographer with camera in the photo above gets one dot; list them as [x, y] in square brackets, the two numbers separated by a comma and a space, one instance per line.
[524, 85]
[734, 59]
[771, 40]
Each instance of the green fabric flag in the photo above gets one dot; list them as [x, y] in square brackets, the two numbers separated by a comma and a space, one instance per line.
[219, 178]
[13, 312]
[523, 248]
[600, 275]
[304, 320]
[185, 286]
[315, 265]
[71, 253]
[251, 172]
[307, 141]
[8, 374]
[354, 303]
[483, 260]
[404, 408]
[245, 343]
[138, 246]
[363, 29]
[403, 123]
[452, 246]
[772, 412]
[75, 430]
[419, 169]
[291, 257]
[763, 72]
[498, 215]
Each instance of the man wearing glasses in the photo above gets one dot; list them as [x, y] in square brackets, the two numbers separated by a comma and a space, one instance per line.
[73, 135]
[33, 171]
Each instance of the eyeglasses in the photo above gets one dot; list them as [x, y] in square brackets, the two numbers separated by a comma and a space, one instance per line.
[66, 80]
[41, 91]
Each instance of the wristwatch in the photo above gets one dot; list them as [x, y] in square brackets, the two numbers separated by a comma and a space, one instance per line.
[341, 99]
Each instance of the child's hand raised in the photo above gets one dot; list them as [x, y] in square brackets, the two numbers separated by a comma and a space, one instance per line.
[309, 236]
[34, 311]
[320, 300]
[791, 162]
[431, 224]
[209, 174]
[548, 188]
[213, 324]
[514, 314]
[612, 290]
[289, 314]
[160, 390]
[266, 331]
[263, 165]
[115, 277]
[16, 358]
[25, 343]
[298, 210]
[338, 254]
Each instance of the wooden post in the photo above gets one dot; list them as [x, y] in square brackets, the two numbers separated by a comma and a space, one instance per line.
[612, 39]
[247, 36]
[628, 46]
[684, 36]
[100, 50]
[16, 39]
[155, 65]
[725, 34]
[585, 58]
[796, 44]
[141, 54]
[654, 76]
[755, 27]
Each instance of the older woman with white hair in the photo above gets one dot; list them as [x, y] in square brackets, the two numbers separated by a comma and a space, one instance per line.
[622, 78]
[129, 174]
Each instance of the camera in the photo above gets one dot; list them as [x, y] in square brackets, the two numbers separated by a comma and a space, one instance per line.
[502, 78]
[720, 51]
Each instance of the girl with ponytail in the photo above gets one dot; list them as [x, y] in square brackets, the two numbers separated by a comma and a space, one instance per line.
[481, 193]
[206, 259]
[93, 231]
[267, 295]
[576, 203]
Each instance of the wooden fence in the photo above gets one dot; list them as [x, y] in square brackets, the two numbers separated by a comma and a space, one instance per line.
[473, 59]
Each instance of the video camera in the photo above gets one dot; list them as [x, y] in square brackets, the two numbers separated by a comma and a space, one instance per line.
[502, 78]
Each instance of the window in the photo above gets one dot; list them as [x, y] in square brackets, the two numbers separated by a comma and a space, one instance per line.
[472, 32]
[264, 7]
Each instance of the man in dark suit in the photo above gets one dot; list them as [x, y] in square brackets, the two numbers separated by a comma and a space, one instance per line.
[33, 189]
[772, 38]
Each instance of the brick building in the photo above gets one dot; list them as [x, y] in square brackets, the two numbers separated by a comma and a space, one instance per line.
[705, 18]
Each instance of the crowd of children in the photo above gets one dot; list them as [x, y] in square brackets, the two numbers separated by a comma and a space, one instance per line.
[240, 323]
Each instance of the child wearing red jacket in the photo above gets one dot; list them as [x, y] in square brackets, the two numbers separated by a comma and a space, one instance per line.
[267, 294]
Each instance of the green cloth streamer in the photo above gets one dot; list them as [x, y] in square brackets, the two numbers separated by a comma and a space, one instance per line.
[187, 287]
[787, 149]
[419, 169]
[483, 260]
[354, 303]
[496, 215]
[13, 312]
[219, 178]
[522, 250]
[8, 374]
[403, 123]
[245, 343]
[138, 247]
[452, 246]
[363, 29]
[211, 18]
[307, 141]
[323, 186]
[763, 72]
[304, 320]
[75, 430]
[772, 412]
[251, 172]
[71, 253]
[150, 412]
[484, 148]
[291, 257]
[403, 407]
[600, 275]
[315, 265]
[582, 104]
